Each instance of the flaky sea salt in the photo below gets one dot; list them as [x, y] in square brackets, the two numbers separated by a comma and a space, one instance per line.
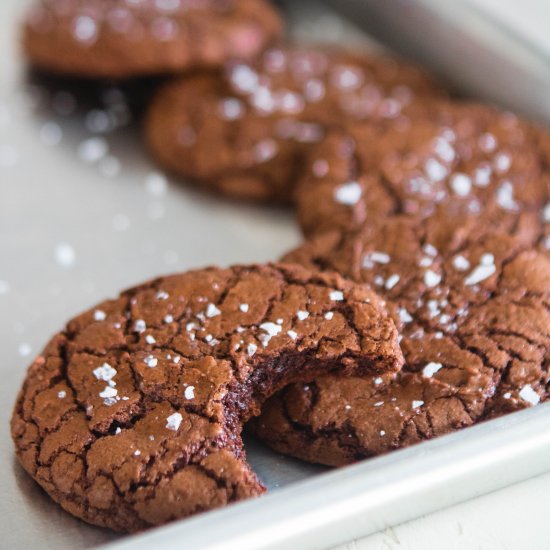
[173, 421]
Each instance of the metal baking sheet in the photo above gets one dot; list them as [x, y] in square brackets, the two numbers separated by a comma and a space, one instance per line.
[84, 213]
[483, 48]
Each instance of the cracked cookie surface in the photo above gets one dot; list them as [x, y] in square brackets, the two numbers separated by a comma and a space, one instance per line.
[459, 168]
[123, 38]
[262, 118]
[474, 325]
[131, 417]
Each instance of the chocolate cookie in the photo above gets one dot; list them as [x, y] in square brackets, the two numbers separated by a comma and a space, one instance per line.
[123, 38]
[475, 332]
[261, 119]
[131, 417]
[455, 166]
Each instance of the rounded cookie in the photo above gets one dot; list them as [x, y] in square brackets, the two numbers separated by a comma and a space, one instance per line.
[456, 166]
[131, 417]
[262, 118]
[475, 331]
[123, 38]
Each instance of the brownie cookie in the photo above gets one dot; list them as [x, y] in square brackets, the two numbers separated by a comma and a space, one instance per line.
[129, 38]
[131, 417]
[475, 332]
[261, 119]
[454, 166]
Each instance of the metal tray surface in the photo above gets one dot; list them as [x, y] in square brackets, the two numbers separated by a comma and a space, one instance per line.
[478, 46]
[84, 213]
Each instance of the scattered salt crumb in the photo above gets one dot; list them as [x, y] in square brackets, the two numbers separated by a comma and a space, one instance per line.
[105, 372]
[375, 257]
[231, 108]
[212, 311]
[505, 196]
[161, 295]
[156, 184]
[189, 392]
[404, 315]
[251, 349]
[62, 394]
[265, 150]
[173, 421]
[347, 407]
[482, 272]
[65, 255]
[85, 29]
[528, 394]
[382, 433]
[150, 339]
[293, 334]
[25, 350]
[378, 404]
[435, 170]
[348, 193]
[461, 263]
[430, 250]
[430, 369]
[137, 452]
[431, 279]
[461, 184]
[302, 315]
[92, 150]
[99, 315]
[417, 404]
[272, 329]
[151, 361]
[108, 392]
[337, 296]
[244, 308]
[140, 326]
[118, 430]
[329, 315]
[507, 395]
[502, 163]
[392, 281]
[168, 319]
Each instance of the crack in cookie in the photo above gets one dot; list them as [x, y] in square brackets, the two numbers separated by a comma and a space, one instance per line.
[131, 417]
